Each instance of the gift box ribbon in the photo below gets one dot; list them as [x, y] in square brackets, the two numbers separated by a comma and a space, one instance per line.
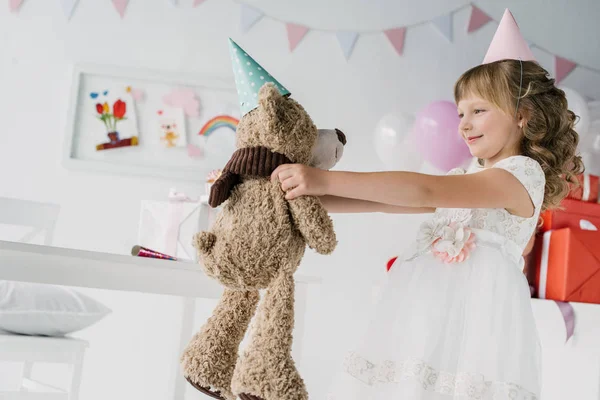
[566, 310]
[175, 211]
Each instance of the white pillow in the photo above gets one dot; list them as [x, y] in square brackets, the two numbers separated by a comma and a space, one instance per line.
[48, 310]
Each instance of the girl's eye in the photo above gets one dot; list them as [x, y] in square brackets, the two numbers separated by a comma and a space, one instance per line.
[477, 111]
[460, 115]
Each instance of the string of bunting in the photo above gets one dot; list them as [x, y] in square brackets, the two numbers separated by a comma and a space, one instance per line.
[347, 39]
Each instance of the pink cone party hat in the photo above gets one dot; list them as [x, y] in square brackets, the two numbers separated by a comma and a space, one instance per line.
[508, 44]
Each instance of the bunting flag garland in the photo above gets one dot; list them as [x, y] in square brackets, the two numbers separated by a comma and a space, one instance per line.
[347, 40]
[120, 5]
[295, 34]
[14, 5]
[444, 25]
[249, 17]
[396, 38]
[562, 68]
[477, 20]
[68, 7]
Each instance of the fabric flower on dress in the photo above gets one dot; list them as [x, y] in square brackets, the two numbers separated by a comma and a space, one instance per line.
[455, 244]
[449, 241]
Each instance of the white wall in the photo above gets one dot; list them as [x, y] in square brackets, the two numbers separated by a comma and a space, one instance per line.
[100, 212]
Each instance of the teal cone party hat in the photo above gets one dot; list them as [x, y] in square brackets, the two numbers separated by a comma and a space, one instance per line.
[249, 78]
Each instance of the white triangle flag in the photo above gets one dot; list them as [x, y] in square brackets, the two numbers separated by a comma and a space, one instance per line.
[443, 23]
[249, 17]
[68, 7]
[347, 41]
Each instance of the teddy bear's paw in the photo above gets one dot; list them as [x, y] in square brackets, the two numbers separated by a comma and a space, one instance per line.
[214, 394]
[268, 379]
[204, 241]
[208, 372]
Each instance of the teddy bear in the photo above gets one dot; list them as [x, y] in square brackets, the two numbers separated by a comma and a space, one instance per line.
[257, 243]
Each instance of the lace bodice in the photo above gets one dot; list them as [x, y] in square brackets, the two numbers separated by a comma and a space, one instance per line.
[514, 228]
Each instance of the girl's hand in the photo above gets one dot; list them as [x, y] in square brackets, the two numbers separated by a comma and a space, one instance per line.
[300, 180]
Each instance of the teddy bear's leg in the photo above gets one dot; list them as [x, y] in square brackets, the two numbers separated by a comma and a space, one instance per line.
[209, 359]
[266, 369]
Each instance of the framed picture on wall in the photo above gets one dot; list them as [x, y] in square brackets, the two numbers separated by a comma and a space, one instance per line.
[141, 122]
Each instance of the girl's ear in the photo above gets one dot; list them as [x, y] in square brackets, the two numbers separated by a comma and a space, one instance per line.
[521, 119]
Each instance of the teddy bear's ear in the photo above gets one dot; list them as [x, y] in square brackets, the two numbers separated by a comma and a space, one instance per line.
[269, 99]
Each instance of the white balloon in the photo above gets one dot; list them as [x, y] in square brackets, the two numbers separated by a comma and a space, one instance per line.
[579, 106]
[393, 144]
[591, 161]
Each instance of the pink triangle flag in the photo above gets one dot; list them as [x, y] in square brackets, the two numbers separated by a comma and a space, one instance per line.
[13, 5]
[562, 68]
[477, 20]
[295, 34]
[198, 2]
[120, 5]
[396, 38]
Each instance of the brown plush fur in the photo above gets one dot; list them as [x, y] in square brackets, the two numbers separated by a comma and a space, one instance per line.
[257, 242]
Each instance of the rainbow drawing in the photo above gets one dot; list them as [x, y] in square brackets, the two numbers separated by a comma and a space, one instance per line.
[220, 121]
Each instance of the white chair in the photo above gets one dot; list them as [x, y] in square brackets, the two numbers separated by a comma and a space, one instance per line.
[27, 350]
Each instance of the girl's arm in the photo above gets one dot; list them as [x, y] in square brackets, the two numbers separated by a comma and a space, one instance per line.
[491, 188]
[334, 204]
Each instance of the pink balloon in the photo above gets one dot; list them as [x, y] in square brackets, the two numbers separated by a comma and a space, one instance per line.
[436, 136]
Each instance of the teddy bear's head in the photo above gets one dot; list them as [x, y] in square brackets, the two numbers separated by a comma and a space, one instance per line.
[280, 124]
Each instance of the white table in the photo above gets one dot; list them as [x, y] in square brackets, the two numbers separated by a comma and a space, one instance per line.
[70, 267]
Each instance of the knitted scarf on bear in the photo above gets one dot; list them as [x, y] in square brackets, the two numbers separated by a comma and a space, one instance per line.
[249, 161]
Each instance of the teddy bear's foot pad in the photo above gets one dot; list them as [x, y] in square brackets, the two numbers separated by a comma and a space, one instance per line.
[245, 396]
[206, 391]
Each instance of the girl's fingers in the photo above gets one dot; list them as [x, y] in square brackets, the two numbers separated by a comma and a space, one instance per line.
[277, 172]
[292, 194]
[285, 175]
[289, 183]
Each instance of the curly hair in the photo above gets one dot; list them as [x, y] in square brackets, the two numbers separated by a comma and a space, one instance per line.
[548, 134]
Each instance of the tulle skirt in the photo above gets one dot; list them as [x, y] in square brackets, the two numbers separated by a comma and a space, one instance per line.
[449, 331]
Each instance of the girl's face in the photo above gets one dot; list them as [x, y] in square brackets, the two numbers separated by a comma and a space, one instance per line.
[490, 133]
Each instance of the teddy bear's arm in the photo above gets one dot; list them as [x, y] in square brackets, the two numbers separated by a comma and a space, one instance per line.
[313, 222]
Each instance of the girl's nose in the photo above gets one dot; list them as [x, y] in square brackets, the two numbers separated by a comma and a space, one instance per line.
[464, 125]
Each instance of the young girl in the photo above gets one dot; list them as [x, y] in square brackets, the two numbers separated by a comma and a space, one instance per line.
[455, 319]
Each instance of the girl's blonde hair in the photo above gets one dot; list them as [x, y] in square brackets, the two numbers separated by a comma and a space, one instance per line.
[548, 134]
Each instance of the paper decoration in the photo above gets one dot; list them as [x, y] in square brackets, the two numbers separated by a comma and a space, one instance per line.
[14, 5]
[568, 314]
[443, 24]
[347, 41]
[295, 34]
[396, 38]
[171, 127]
[183, 98]
[137, 94]
[562, 68]
[249, 17]
[477, 20]
[117, 120]
[195, 151]
[220, 121]
[120, 5]
[68, 7]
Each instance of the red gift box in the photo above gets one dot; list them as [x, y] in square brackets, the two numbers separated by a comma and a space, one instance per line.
[575, 214]
[568, 266]
[587, 190]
